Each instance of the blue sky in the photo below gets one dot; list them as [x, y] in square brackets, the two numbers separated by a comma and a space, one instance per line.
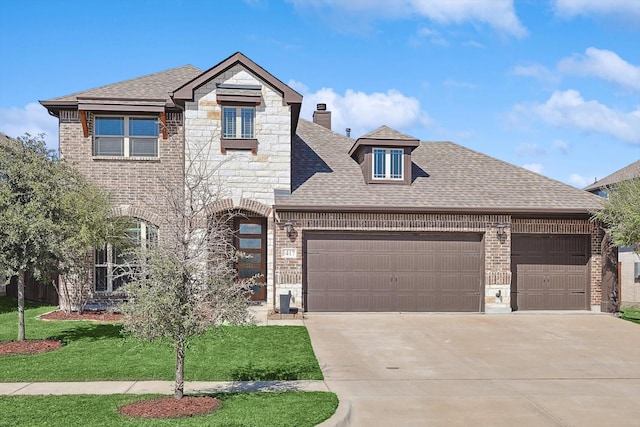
[553, 86]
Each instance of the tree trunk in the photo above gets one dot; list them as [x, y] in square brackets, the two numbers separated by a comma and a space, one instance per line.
[179, 388]
[21, 334]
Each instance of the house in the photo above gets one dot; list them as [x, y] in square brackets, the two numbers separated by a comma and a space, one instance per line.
[385, 222]
[628, 257]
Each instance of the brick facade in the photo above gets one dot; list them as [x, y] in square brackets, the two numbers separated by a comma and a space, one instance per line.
[497, 250]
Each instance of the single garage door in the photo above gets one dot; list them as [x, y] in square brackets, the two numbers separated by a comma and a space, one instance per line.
[550, 272]
[393, 272]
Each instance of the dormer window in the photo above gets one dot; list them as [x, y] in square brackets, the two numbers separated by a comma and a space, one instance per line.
[384, 156]
[388, 163]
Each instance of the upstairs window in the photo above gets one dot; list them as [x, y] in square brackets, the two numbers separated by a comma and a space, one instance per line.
[388, 163]
[126, 136]
[238, 122]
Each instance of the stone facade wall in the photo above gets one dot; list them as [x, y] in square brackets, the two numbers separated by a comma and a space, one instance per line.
[497, 248]
[242, 174]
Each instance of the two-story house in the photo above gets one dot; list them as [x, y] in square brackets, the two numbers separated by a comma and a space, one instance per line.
[382, 223]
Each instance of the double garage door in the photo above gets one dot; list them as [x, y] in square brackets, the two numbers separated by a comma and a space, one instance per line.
[440, 272]
[393, 272]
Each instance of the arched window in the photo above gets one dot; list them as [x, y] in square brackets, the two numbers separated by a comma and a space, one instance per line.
[112, 265]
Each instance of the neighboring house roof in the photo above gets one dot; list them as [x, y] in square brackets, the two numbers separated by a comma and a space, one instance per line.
[446, 178]
[152, 87]
[627, 172]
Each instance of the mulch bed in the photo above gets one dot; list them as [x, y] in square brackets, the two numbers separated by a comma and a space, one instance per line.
[28, 346]
[170, 407]
[100, 316]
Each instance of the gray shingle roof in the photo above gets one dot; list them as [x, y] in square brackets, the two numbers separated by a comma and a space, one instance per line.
[152, 86]
[385, 132]
[627, 172]
[446, 176]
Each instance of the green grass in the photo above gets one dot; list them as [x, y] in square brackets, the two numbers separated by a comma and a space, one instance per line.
[297, 409]
[99, 351]
[631, 314]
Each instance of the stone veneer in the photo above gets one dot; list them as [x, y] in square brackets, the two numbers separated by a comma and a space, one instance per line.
[497, 251]
[242, 174]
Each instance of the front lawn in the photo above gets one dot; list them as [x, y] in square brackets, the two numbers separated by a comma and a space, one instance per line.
[297, 409]
[99, 351]
[630, 313]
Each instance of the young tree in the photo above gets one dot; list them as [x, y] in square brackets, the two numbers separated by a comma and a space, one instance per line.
[621, 213]
[187, 283]
[49, 214]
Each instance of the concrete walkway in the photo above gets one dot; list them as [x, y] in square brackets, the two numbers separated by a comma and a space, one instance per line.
[577, 369]
[154, 387]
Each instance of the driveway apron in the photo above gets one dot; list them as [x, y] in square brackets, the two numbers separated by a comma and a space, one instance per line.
[542, 369]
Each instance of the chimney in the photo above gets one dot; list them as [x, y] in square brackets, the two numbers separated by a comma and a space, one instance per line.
[321, 116]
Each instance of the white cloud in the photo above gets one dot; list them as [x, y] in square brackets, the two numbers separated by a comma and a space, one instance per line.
[579, 180]
[364, 112]
[569, 110]
[499, 14]
[603, 64]
[32, 118]
[433, 36]
[561, 146]
[534, 167]
[537, 71]
[528, 149]
[606, 7]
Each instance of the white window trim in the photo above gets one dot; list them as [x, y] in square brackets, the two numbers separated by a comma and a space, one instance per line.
[239, 121]
[387, 164]
[126, 136]
[110, 263]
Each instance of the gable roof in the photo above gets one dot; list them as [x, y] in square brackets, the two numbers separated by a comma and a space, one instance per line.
[446, 178]
[152, 87]
[185, 91]
[627, 172]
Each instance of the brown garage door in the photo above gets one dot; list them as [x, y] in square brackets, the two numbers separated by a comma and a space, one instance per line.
[393, 272]
[550, 272]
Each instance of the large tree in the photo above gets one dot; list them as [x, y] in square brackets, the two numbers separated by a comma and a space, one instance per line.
[50, 215]
[621, 212]
[186, 283]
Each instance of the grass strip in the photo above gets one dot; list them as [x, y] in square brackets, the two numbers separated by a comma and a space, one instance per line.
[100, 351]
[297, 409]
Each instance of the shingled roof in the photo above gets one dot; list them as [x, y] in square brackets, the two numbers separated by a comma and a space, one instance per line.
[628, 172]
[446, 178]
[150, 87]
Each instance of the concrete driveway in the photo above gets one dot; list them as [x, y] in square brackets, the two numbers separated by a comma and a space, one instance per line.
[578, 369]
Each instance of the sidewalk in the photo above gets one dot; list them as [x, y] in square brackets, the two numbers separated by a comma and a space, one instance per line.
[154, 387]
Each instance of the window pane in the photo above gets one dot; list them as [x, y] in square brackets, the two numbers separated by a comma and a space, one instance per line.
[250, 243]
[105, 146]
[101, 279]
[143, 127]
[245, 273]
[247, 122]
[250, 259]
[250, 229]
[101, 256]
[396, 164]
[379, 163]
[143, 147]
[152, 235]
[109, 126]
[229, 122]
